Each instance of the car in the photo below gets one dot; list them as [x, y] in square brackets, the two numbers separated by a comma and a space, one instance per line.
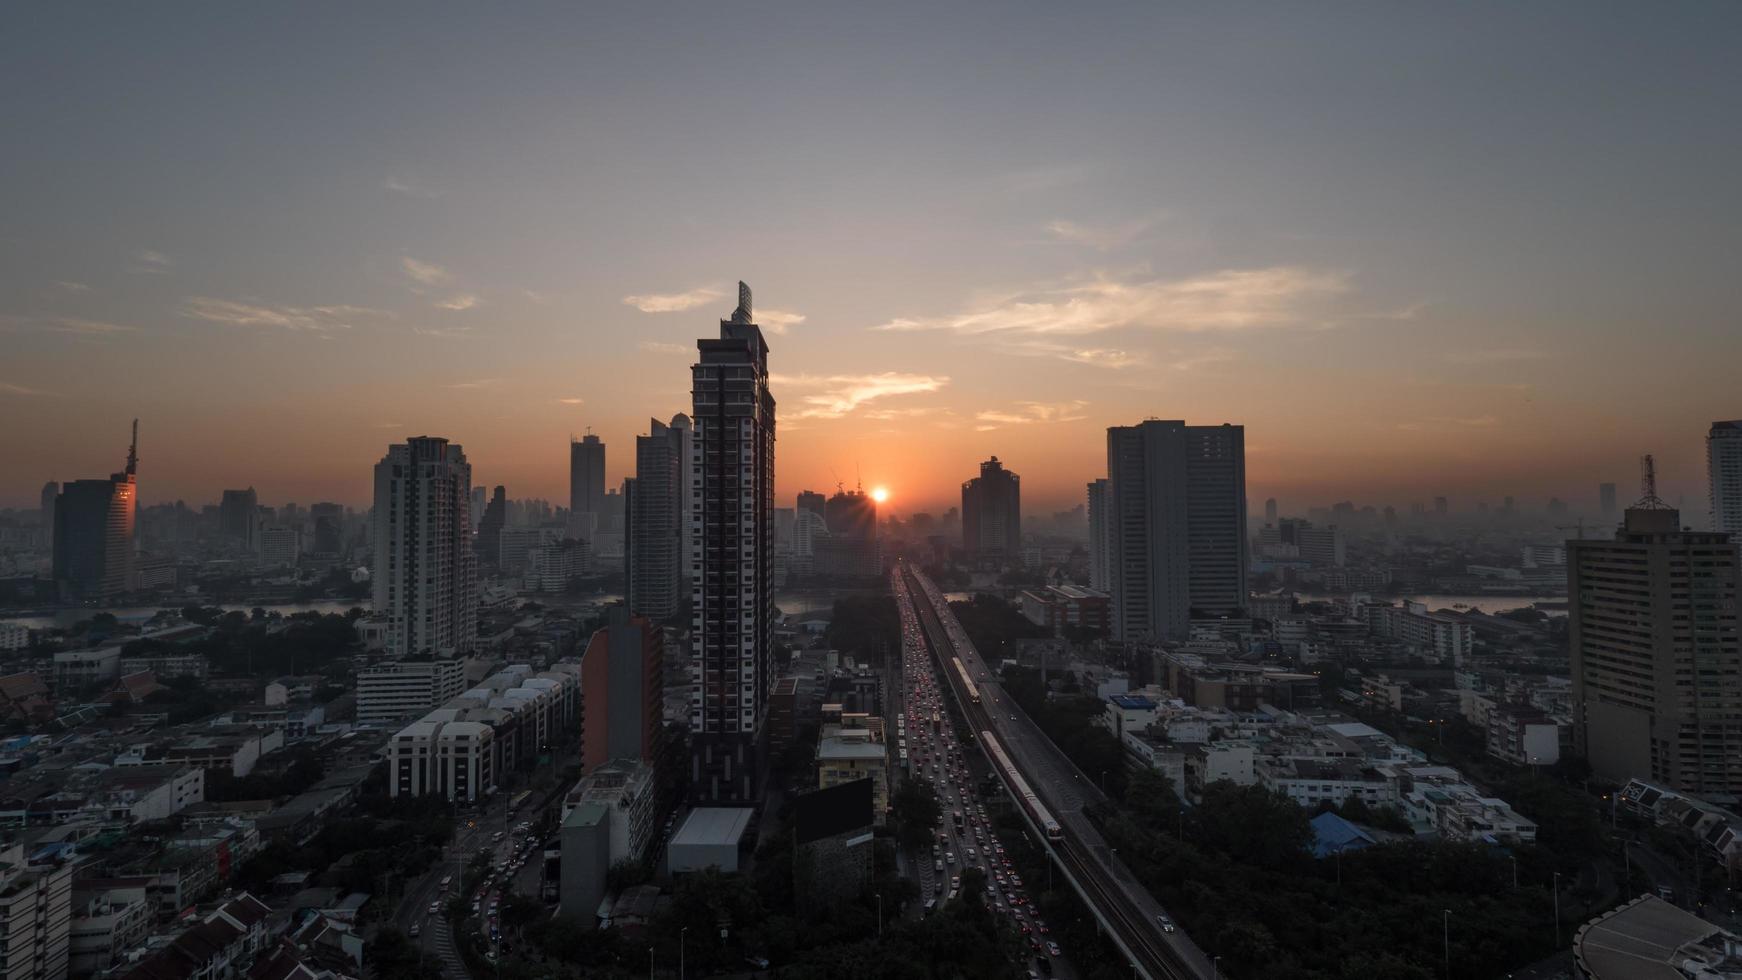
[1165, 923]
[1052, 948]
[435, 908]
[955, 882]
[950, 857]
[1040, 927]
[937, 865]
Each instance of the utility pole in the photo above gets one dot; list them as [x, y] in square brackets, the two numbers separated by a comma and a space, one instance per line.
[1557, 911]
[1446, 926]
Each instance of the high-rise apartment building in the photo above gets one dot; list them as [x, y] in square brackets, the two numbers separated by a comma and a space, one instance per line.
[623, 691]
[50, 491]
[731, 601]
[1100, 537]
[851, 548]
[1656, 655]
[1178, 506]
[327, 523]
[1724, 473]
[488, 544]
[814, 502]
[1606, 499]
[1270, 510]
[35, 917]
[93, 533]
[424, 574]
[586, 485]
[992, 511]
[655, 556]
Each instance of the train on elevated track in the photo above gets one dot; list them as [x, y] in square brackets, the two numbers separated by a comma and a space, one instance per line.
[1019, 787]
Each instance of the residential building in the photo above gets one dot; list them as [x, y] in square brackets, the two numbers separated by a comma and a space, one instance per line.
[552, 566]
[1523, 736]
[623, 691]
[992, 511]
[239, 519]
[14, 636]
[1100, 537]
[76, 670]
[655, 555]
[851, 548]
[93, 533]
[1724, 476]
[424, 571]
[1061, 607]
[1656, 655]
[393, 692]
[108, 919]
[489, 541]
[451, 759]
[626, 788]
[850, 751]
[731, 506]
[35, 917]
[280, 545]
[1178, 503]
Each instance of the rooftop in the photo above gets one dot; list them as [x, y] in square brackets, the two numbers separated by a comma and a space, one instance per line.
[715, 826]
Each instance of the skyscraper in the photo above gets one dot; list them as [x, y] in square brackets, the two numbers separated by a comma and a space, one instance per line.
[424, 575]
[93, 533]
[623, 691]
[731, 602]
[489, 541]
[992, 511]
[1178, 504]
[1656, 657]
[328, 520]
[1724, 473]
[850, 549]
[1270, 510]
[239, 519]
[50, 490]
[814, 502]
[1100, 537]
[1606, 499]
[654, 553]
[586, 485]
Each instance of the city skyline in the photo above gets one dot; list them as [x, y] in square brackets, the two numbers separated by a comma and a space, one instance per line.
[1412, 278]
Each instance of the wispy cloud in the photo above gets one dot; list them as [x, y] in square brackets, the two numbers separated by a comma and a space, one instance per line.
[23, 391]
[463, 301]
[149, 262]
[390, 425]
[1105, 237]
[447, 333]
[673, 302]
[776, 321]
[1103, 357]
[478, 383]
[661, 347]
[1496, 355]
[570, 401]
[427, 273]
[72, 287]
[64, 324]
[843, 394]
[319, 319]
[409, 187]
[1233, 299]
[1031, 413]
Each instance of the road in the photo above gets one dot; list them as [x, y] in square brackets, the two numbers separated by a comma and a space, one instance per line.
[927, 742]
[1103, 879]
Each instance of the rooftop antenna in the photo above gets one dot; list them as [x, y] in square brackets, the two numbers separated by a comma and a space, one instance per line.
[1648, 499]
[133, 451]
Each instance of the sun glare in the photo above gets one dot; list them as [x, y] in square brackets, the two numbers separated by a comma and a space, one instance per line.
[880, 494]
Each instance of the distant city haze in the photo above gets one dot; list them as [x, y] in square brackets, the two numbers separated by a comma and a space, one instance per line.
[1471, 253]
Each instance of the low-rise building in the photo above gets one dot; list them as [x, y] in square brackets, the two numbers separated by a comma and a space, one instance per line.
[845, 754]
[393, 692]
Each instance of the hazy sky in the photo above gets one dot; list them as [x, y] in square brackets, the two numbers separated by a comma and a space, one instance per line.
[1414, 249]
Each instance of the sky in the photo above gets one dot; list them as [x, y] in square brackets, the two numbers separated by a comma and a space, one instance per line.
[1471, 249]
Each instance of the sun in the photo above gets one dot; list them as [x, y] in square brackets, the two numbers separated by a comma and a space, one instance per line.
[880, 494]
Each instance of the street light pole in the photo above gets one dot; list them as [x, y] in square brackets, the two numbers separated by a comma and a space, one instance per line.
[1557, 910]
[879, 914]
[681, 933]
[1446, 927]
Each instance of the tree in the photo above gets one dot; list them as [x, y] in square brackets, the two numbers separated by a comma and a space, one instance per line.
[1265, 826]
[916, 810]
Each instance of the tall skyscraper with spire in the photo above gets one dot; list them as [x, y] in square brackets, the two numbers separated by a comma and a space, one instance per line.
[586, 485]
[731, 509]
[93, 533]
[424, 576]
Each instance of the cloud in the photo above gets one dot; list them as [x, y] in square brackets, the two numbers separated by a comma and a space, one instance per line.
[463, 301]
[776, 321]
[148, 262]
[479, 383]
[447, 333]
[64, 324]
[1232, 299]
[1104, 238]
[425, 272]
[1496, 355]
[1448, 422]
[1030, 413]
[1104, 357]
[673, 302]
[8, 388]
[320, 319]
[661, 347]
[390, 425]
[570, 401]
[409, 187]
[72, 287]
[845, 393]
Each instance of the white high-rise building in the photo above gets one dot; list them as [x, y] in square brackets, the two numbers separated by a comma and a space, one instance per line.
[1724, 471]
[731, 517]
[424, 577]
[393, 692]
[1100, 538]
[1177, 496]
[656, 556]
